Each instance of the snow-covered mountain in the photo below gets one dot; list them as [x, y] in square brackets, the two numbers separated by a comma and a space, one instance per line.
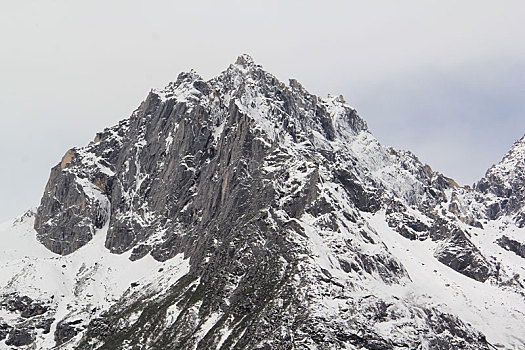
[244, 213]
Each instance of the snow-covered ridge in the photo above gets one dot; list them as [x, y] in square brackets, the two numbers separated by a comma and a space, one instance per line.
[288, 211]
[261, 96]
[182, 90]
[512, 166]
[504, 185]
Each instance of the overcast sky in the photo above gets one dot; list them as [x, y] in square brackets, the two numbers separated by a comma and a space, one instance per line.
[445, 79]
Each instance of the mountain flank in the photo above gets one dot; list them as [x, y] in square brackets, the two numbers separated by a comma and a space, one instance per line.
[245, 213]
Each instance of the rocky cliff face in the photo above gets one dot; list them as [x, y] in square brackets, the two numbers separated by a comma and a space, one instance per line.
[505, 183]
[271, 218]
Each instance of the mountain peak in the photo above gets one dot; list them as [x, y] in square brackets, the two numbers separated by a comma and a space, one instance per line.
[515, 158]
[512, 162]
[518, 148]
[245, 60]
[506, 181]
[270, 218]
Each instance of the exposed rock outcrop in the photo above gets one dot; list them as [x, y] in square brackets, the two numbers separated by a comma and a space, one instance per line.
[276, 198]
[505, 181]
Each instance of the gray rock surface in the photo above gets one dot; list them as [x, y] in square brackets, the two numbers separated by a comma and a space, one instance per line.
[243, 174]
[19, 337]
[512, 245]
[505, 181]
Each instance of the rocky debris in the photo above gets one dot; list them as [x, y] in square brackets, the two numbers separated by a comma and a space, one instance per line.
[18, 303]
[45, 325]
[33, 310]
[27, 316]
[66, 330]
[19, 337]
[512, 245]
[25, 305]
[4, 330]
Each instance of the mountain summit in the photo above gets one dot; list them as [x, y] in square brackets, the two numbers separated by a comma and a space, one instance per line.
[506, 182]
[245, 213]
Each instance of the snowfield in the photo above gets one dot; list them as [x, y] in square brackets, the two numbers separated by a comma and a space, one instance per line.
[79, 286]
[498, 313]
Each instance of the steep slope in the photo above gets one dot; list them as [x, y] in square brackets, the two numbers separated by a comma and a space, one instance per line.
[505, 181]
[241, 212]
[40, 289]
